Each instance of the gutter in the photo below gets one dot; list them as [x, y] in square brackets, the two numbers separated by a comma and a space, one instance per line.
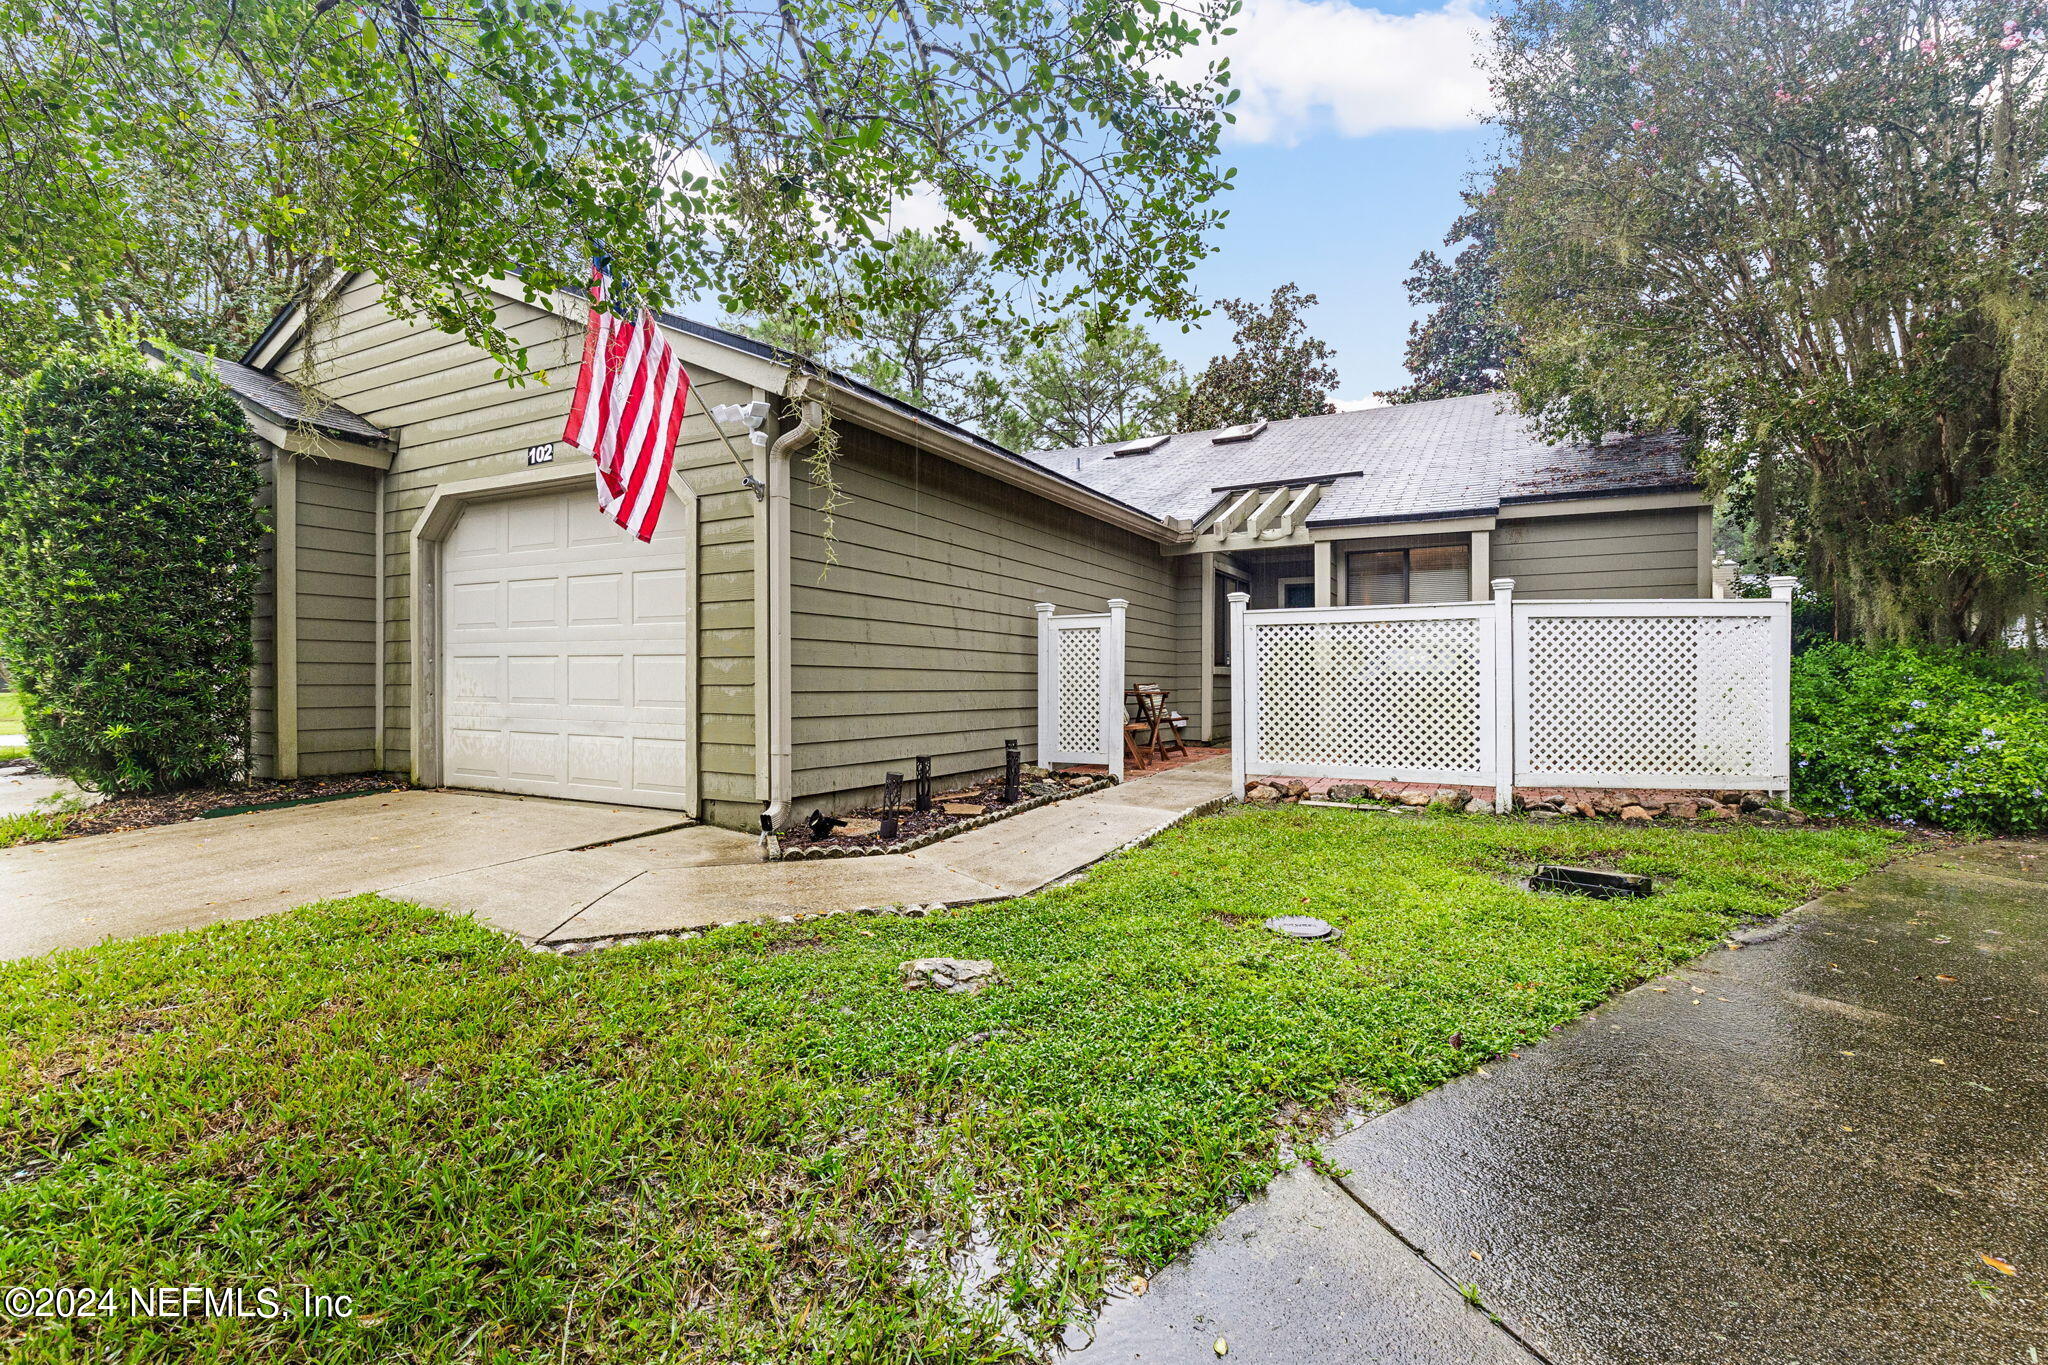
[774, 645]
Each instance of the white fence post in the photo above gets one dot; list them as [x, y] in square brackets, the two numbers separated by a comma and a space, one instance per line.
[1783, 586]
[1113, 687]
[1244, 677]
[1503, 695]
[1048, 686]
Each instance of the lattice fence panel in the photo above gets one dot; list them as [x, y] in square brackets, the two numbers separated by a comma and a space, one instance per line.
[1371, 694]
[1625, 695]
[1079, 715]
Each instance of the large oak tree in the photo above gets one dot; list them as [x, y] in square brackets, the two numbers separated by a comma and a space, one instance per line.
[1808, 232]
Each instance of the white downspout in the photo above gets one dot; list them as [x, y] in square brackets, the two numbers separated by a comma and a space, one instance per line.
[775, 648]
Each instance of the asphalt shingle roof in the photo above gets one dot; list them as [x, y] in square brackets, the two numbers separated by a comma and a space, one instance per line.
[283, 401]
[1449, 457]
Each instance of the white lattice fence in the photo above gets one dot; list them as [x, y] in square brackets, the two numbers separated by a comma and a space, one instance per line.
[1662, 693]
[1404, 692]
[1081, 687]
[1651, 694]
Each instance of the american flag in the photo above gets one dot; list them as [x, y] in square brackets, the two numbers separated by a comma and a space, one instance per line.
[628, 409]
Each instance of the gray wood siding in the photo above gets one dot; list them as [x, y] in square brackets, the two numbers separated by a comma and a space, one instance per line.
[921, 638]
[337, 616]
[456, 416]
[263, 677]
[1607, 554]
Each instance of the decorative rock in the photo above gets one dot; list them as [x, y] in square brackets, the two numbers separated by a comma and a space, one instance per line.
[1349, 791]
[953, 975]
[1750, 803]
[1301, 926]
[1634, 815]
[1262, 792]
[1684, 810]
[1414, 798]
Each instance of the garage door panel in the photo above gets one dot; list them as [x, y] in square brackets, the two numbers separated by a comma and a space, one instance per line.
[658, 680]
[533, 602]
[534, 680]
[537, 756]
[660, 764]
[476, 753]
[474, 678]
[596, 680]
[658, 597]
[565, 660]
[476, 606]
[534, 524]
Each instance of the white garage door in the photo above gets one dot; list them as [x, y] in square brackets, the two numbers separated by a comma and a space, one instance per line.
[562, 660]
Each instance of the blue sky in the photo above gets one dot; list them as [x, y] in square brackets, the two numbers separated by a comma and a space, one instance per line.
[1357, 127]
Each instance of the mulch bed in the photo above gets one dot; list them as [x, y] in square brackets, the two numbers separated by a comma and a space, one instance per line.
[120, 813]
[985, 797]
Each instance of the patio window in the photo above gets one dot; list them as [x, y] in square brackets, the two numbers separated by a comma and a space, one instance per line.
[1423, 573]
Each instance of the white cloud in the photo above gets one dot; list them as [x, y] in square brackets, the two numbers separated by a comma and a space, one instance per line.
[1309, 65]
[923, 210]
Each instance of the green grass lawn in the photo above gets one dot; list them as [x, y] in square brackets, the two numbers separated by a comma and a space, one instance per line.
[748, 1146]
[10, 724]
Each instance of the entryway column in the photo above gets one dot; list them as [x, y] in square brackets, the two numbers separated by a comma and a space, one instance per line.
[1326, 573]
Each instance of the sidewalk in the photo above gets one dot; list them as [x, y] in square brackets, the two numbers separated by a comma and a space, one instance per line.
[1799, 1150]
[695, 877]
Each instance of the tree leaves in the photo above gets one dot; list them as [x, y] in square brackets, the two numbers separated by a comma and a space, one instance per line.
[1278, 370]
[748, 152]
[1803, 234]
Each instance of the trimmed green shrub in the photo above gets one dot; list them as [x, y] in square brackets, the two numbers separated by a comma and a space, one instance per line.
[129, 540]
[1956, 738]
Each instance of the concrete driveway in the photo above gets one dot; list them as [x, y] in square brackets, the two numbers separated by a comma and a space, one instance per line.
[549, 871]
[79, 891]
[1798, 1152]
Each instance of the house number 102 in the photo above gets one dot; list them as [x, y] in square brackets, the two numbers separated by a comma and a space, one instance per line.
[541, 454]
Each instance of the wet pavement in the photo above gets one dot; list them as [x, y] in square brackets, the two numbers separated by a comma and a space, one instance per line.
[1795, 1152]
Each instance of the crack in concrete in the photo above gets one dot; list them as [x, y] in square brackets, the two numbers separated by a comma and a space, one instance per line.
[591, 902]
[1498, 1323]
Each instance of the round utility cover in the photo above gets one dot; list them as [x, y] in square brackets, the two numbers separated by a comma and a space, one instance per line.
[1301, 926]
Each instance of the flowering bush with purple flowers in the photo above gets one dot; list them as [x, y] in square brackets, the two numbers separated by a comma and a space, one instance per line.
[1956, 738]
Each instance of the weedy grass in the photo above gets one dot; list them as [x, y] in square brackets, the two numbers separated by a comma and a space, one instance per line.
[31, 826]
[756, 1145]
[10, 713]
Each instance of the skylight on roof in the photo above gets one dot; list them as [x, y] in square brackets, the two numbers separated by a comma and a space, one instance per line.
[1143, 445]
[1238, 433]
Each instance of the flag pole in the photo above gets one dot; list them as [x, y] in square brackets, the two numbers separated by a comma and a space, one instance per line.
[747, 478]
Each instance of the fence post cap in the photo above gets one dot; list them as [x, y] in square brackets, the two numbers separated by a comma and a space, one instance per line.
[1118, 603]
[1238, 596]
[1501, 585]
[1042, 608]
[1782, 585]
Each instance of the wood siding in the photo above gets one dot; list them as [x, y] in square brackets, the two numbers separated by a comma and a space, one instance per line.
[921, 638]
[1608, 554]
[263, 677]
[337, 616]
[455, 416]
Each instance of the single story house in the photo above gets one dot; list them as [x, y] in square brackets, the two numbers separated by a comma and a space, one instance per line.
[444, 600]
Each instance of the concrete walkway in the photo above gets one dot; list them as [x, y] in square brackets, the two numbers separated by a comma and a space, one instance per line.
[150, 881]
[546, 870]
[701, 876]
[1796, 1151]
